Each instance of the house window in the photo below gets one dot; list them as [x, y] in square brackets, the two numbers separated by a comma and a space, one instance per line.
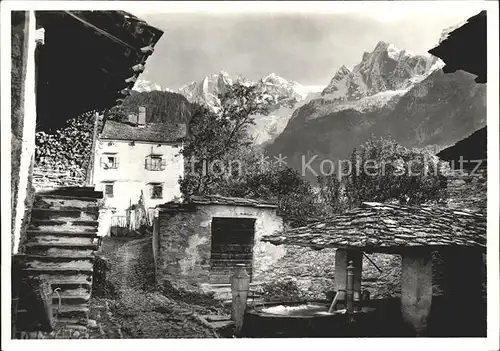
[109, 161]
[156, 191]
[108, 189]
[155, 163]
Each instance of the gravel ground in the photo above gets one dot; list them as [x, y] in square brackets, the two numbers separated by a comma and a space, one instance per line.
[140, 309]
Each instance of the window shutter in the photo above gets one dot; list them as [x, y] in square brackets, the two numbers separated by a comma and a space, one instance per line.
[146, 163]
[103, 165]
[151, 191]
[117, 161]
[163, 164]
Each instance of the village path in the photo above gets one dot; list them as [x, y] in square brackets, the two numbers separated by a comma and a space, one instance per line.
[139, 309]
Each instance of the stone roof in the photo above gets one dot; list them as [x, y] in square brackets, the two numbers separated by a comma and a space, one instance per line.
[216, 200]
[377, 227]
[231, 201]
[153, 132]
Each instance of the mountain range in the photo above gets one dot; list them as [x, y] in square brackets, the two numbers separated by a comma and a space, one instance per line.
[285, 95]
[390, 92]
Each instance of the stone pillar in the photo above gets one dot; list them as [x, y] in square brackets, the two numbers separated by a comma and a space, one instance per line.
[416, 289]
[464, 274]
[342, 258]
[240, 285]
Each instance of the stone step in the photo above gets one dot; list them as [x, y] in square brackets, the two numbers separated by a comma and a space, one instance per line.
[68, 330]
[78, 327]
[54, 240]
[64, 225]
[73, 245]
[61, 259]
[70, 295]
[80, 192]
[218, 325]
[64, 280]
[35, 233]
[70, 300]
[72, 291]
[59, 252]
[69, 284]
[216, 318]
[77, 312]
[60, 270]
[71, 322]
[63, 202]
[81, 265]
[64, 214]
[223, 291]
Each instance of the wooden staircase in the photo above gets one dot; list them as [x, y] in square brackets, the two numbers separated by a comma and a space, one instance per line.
[59, 248]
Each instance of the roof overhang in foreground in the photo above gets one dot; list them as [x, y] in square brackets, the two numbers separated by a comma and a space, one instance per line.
[89, 62]
[390, 228]
[465, 48]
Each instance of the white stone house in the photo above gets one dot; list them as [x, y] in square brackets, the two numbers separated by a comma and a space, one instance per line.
[134, 158]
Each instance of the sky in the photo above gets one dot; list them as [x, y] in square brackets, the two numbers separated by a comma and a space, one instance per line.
[304, 47]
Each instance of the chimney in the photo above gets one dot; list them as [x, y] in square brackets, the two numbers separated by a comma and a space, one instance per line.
[132, 118]
[183, 130]
[141, 122]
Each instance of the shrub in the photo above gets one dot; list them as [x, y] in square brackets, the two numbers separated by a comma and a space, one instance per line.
[384, 170]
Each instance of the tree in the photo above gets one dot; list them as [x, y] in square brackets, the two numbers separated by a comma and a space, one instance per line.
[214, 136]
[116, 113]
[219, 139]
[331, 193]
[383, 170]
[294, 195]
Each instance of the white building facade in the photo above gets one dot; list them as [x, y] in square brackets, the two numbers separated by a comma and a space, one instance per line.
[137, 158]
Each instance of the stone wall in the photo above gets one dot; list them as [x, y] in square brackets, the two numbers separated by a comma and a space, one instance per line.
[311, 270]
[183, 242]
[46, 178]
[314, 270]
[467, 190]
[182, 246]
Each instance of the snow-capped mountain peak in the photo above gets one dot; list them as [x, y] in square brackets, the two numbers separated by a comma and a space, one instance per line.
[273, 78]
[338, 84]
[142, 85]
[387, 67]
[284, 96]
[366, 54]
[342, 72]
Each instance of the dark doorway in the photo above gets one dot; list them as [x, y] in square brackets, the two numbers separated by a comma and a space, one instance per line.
[232, 243]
